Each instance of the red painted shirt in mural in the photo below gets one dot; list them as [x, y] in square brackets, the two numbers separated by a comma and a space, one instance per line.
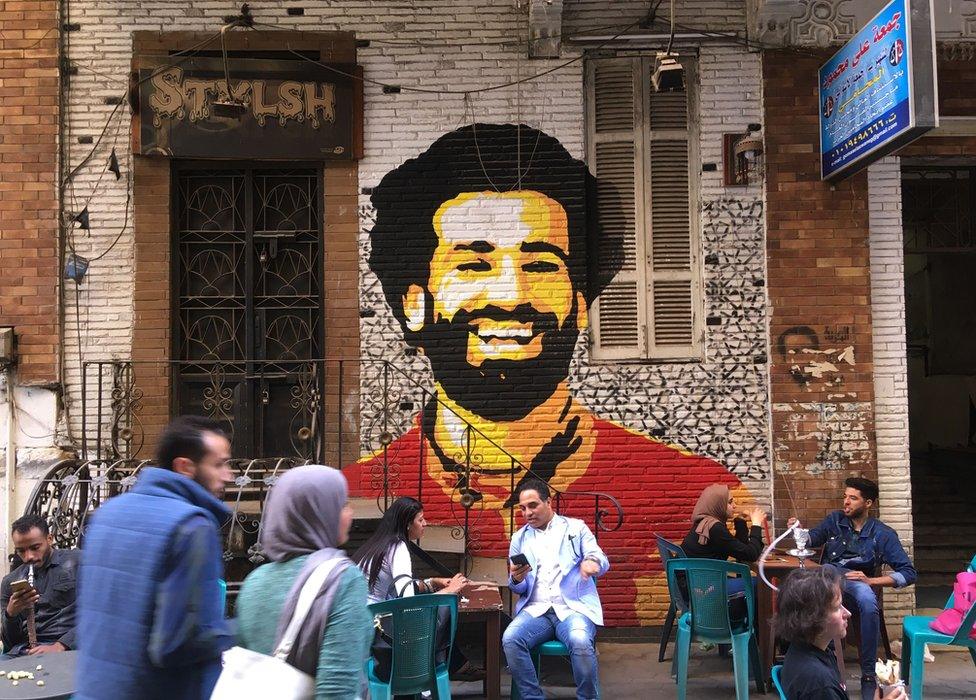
[657, 485]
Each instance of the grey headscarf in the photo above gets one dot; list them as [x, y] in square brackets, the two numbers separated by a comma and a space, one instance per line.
[301, 516]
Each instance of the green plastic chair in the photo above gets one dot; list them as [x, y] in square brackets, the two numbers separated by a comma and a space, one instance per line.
[916, 633]
[708, 620]
[551, 648]
[669, 550]
[777, 669]
[414, 627]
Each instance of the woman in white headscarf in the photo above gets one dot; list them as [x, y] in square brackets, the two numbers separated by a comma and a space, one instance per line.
[306, 519]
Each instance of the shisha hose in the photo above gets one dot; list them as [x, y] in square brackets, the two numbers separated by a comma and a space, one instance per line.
[762, 558]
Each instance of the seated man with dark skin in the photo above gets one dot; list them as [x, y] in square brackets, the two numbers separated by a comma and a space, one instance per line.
[52, 595]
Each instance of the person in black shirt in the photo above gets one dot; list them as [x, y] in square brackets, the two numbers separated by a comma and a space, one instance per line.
[709, 538]
[53, 594]
[810, 615]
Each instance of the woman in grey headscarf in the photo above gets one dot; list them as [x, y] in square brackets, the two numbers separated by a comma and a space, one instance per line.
[306, 518]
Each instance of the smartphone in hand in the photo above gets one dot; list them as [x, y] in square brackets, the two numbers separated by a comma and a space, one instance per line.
[21, 585]
[520, 560]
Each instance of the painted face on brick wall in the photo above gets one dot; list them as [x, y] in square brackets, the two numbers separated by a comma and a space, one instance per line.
[499, 312]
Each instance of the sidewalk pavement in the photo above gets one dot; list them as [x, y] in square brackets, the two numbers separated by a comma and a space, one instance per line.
[633, 671]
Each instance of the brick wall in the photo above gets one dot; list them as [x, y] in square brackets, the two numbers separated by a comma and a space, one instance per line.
[28, 184]
[152, 303]
[820, 303]
[717, 408]
[891, 363]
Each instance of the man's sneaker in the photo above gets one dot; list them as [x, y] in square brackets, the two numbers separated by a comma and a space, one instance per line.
[869, 684]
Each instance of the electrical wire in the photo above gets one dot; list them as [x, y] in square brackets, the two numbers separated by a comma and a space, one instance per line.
[139, 82]
[472, 43]
[27, 48]
[671, 38]
[125, 221]
[186, 55]
[463, 91]
[95, 187]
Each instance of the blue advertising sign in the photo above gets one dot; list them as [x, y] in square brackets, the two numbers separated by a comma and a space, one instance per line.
[878, 92]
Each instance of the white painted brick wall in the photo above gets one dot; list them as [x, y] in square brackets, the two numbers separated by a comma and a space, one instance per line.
[890, 363]
[719, 407]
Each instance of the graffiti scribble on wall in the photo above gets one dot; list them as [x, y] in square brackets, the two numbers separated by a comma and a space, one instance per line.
[822, 437]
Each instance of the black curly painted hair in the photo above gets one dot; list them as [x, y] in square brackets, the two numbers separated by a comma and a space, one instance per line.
[483, 158]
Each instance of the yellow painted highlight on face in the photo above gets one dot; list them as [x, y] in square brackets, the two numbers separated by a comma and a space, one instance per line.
[501, 250]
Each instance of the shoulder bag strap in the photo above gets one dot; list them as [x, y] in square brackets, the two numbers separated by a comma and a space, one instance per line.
[310, 591]
[391, 590]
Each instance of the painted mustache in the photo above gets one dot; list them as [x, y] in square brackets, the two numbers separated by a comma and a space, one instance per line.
[521, 315]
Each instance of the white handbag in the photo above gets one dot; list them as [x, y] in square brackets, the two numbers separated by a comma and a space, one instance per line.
[248, 674]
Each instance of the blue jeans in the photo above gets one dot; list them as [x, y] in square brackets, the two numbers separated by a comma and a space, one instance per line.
[577, 632]
[858, 595]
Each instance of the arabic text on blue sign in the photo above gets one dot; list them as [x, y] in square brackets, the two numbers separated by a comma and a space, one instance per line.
[865, 91]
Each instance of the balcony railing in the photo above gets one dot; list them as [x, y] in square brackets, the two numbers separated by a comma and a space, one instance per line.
[121, 398]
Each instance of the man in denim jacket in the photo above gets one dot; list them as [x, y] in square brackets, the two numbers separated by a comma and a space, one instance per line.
[858, 545]
[557, 593]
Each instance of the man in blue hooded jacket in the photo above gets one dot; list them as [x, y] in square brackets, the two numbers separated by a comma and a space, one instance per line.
[150, 608]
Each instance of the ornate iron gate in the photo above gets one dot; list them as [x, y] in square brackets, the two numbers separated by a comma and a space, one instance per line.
[247, 318]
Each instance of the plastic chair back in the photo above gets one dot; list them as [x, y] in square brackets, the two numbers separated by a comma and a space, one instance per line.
[413, 622]
[777, 669]
[952, 596]
[708, 596]
[668, 551]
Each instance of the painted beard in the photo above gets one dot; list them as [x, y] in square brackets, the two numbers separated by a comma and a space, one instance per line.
[500, 390]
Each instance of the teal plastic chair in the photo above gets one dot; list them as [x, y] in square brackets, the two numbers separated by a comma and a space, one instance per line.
[916, 633]
[413, 622]
[551, 648]
[708, 620]
[669, 550]
[777, 669]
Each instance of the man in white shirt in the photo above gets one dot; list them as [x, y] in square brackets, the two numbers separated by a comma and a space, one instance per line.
[557, 593]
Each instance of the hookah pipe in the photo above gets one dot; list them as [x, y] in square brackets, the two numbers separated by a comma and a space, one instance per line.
[802, 538]
[31, 624]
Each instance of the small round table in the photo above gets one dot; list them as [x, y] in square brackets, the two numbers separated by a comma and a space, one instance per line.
[57, 672]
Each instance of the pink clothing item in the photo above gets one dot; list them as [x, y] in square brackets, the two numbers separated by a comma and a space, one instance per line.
[964, 596]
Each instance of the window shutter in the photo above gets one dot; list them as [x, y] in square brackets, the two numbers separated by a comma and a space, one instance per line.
[642, 146]
[614, 152]
[675, 323]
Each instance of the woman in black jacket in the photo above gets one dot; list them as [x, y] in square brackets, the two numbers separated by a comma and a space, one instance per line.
[710, 538]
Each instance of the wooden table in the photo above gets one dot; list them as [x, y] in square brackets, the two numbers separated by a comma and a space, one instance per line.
[482, 602]
[777, 566]
[58, 674]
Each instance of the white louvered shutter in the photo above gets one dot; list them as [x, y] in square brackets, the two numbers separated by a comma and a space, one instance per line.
[614, 116]
[641, 146]
[674, 276]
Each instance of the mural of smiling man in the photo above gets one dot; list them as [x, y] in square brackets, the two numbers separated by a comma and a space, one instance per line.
[481, 246]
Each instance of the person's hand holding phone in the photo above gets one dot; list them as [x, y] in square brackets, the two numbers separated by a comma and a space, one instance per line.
[518, 568]
[21, 599]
